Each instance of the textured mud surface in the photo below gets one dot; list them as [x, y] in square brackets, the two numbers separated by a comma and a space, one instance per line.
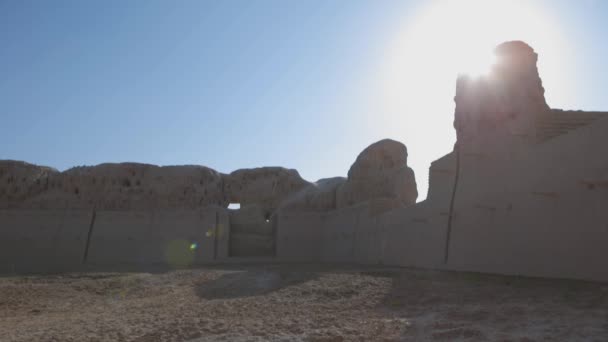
[299, 303]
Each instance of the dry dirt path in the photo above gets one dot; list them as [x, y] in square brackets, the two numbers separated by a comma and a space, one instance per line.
[299, 303]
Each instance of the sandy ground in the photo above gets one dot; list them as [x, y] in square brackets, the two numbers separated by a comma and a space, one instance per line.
[299, 303]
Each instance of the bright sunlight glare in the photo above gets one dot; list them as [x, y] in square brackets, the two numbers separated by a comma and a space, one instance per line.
[416, 77]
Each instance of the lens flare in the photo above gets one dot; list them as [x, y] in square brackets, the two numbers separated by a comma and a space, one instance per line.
[216, 230]
[179, 253]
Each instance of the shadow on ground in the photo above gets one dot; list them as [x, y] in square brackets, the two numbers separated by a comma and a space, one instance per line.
[252, 282]
[447, 306]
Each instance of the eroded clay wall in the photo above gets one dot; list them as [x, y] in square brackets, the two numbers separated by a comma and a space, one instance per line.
[252, 233]
[56, 240]
[174, 238]
[414, 237]
[42, 240]
[545, 216]
[299, 236]
[411, 236]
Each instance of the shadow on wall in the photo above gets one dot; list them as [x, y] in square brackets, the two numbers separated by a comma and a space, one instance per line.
[238, 284]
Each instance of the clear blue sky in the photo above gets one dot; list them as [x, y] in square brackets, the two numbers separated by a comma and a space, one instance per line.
[234, 84]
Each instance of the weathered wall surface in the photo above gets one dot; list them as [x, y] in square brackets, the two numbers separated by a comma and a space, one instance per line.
[380, 171]
[547, 216]
[442, 176]
[265, 187]
[175, 238]
[338, 235]
[405, 236]
[525, 192]
[252, 233]
[56, 240]
[317, 197]
[415, 236]
[42, 240]
[20, 181]
[402, 236]
[530, 192]
[299, 236]
[125, 186]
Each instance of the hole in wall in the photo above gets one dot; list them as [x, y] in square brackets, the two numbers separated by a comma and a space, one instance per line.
[234, 206]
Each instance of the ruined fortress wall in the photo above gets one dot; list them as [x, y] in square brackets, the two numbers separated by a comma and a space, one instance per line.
[42, 240]
[442, 175]
[524, 192]
[546, 215]
[252, 233]
[368, 239]
[118, 236]
[539, 213]
[405, 236]
[531, 183]
[338, 235]
[414, 236]
[167, 237]
[56, 240]
[220, 234]
[299, 236]
[408, 236]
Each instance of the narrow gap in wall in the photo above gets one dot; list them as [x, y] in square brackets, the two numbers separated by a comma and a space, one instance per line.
[215, 233]
[275, 234]
[89, 234]
[451, 213]
[234, 206]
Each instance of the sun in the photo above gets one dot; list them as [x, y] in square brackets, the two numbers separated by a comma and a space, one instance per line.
[466, 31]
[446, 38]
[476, 65]
[414, 77]
[461, 34]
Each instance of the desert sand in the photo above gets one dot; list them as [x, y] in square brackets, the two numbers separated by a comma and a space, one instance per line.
[299, 303]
